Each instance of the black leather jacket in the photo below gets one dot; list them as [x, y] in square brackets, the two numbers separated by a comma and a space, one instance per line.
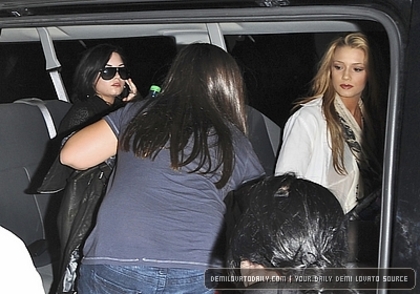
[82, 194]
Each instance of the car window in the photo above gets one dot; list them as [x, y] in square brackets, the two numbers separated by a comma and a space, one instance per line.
[23, 73]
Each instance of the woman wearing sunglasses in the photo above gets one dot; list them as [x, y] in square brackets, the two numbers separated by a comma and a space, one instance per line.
[98, 86]
[99, 83]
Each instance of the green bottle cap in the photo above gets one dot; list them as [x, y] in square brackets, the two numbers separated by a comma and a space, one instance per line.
[155, 88]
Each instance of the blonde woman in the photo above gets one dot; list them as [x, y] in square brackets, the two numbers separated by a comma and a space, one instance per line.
[332, 139]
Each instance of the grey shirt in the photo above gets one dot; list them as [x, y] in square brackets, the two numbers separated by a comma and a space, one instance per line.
[153, 215]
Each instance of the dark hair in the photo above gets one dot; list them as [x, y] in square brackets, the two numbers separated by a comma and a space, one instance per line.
[93, 60]
[202, 97]
[290, 223]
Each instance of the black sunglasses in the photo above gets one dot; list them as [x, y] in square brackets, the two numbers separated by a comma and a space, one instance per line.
[108, 73]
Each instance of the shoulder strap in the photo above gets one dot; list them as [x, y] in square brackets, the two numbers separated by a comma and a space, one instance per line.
[49, 122]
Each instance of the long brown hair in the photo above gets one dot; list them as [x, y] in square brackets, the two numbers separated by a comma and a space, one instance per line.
[322, 86]
[202, 96]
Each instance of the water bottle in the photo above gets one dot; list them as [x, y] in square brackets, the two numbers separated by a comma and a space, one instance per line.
[154, 91]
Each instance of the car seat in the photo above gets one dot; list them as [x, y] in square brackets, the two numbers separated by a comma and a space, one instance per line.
[26, 149]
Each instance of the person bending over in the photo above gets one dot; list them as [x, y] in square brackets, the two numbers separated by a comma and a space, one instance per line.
[288, 224]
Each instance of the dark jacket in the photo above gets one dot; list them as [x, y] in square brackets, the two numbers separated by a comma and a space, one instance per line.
[82, 195]
[82, 191]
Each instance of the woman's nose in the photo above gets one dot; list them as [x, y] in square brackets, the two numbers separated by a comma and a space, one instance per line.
[346, 75]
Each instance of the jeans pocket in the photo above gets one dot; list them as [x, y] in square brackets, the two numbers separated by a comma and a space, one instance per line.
[106, 286]
[102, 279]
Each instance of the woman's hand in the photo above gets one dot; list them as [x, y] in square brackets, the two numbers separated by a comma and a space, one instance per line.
[133, 91]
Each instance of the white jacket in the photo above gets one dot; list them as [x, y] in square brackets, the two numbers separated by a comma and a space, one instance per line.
[306, 150]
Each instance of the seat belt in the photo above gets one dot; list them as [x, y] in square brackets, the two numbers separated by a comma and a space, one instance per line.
[49, 122]
[52, 65]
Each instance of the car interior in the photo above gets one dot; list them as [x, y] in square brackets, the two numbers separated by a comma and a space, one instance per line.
[277, 52]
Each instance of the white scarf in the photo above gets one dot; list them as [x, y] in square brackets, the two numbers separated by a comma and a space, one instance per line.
[352, 131]
[353, 135]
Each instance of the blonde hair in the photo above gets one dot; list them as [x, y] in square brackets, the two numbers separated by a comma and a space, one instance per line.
[322, 86]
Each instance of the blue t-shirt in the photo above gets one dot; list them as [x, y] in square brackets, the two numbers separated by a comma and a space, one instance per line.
[154, 215]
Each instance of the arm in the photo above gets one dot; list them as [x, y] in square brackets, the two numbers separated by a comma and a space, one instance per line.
[89, 146]
[297, 148]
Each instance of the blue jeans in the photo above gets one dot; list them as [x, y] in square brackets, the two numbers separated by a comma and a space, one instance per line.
[108, 279]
